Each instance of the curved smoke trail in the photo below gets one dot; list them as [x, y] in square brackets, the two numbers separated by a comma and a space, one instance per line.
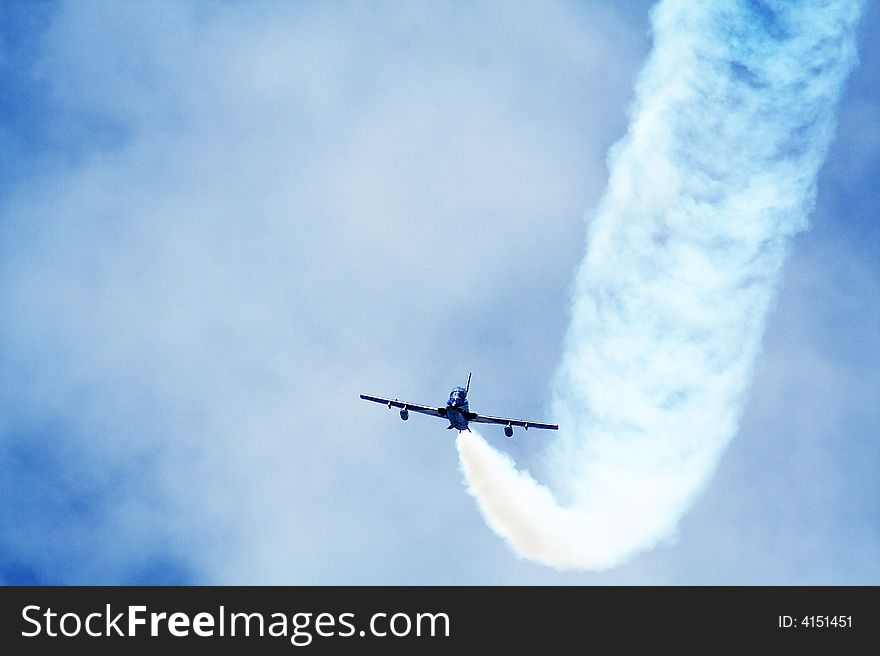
[734, 113]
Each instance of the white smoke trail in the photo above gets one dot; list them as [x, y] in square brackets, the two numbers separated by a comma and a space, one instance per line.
[734, 112]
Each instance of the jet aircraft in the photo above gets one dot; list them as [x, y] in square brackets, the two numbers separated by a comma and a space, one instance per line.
[457, 412]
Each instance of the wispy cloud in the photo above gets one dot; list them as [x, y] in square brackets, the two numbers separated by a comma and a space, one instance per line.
[249, 213]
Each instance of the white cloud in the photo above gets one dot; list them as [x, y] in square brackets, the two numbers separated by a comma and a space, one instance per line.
[297, 204]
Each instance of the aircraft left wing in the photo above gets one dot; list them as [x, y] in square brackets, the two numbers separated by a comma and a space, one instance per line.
[403, 405]
[481, 419]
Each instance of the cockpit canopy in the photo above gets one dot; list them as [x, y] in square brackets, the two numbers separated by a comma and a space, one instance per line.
[457, 396]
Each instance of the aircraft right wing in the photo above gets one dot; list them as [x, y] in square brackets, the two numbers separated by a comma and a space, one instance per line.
[414, 407]
[481, 419]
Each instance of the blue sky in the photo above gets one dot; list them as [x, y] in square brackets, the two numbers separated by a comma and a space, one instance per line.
[219, 223]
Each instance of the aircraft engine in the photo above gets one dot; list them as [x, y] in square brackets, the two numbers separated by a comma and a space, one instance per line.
[404, 414]
[508, 430]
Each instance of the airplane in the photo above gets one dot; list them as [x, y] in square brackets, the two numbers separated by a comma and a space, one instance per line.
[457, 412]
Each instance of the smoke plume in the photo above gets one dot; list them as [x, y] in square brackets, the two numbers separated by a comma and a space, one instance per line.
[733, 114]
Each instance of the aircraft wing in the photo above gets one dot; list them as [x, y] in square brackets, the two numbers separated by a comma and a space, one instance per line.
[413, 407]
[481, 419]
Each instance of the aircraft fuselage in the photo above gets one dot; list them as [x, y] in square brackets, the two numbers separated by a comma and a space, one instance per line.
[457, 409]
